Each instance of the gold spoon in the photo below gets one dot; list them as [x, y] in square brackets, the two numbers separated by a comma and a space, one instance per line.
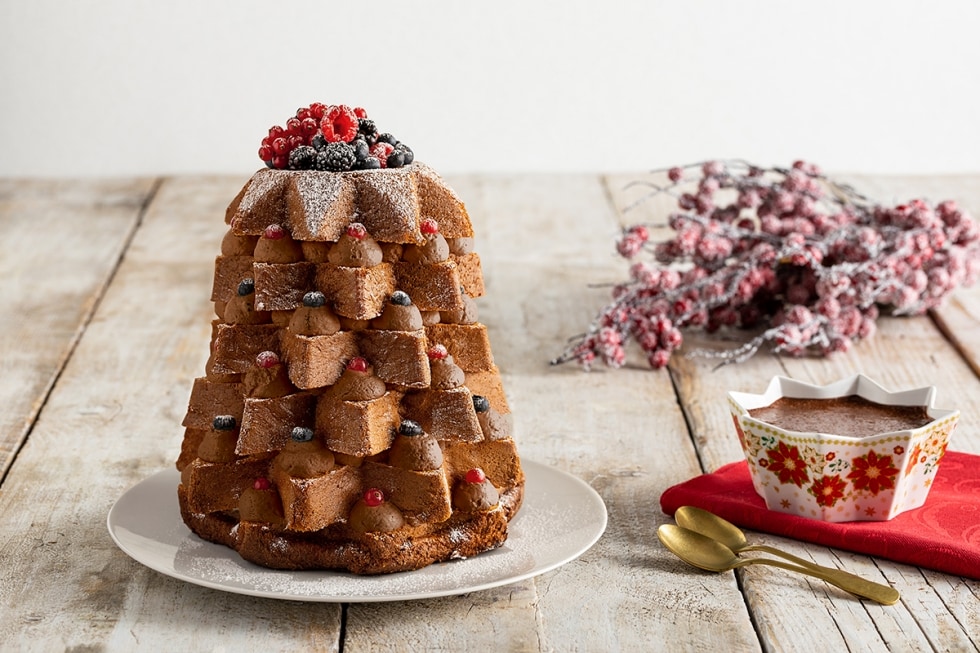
[721, 530]
[711, 555]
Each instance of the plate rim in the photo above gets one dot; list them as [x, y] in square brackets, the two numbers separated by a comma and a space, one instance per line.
[533, 470]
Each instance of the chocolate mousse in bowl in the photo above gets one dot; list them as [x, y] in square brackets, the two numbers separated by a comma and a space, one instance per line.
[848, 451]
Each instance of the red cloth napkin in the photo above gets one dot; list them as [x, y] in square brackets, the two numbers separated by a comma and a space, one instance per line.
[944, 534]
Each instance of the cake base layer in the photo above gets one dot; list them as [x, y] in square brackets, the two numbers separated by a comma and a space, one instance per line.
[461, 536]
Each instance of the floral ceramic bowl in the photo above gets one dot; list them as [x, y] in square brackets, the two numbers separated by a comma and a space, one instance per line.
[834, 477]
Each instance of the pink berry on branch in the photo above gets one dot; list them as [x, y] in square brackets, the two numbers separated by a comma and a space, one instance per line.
[788, 250]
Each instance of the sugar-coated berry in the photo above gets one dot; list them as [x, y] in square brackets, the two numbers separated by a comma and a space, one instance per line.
[318, 142]
[314, 299]
[475, 475]
[339, 124]
[400, 298]
[381, 150]
[395, 160]
[387, 138]
[267, 359]
[373, 497]
[480, 404]
[357, 364]
[407, 154]
[261, 483]
[274, 232]
[336, 157]
[302, 158]
[370, 163]
[410, 428]
[246, 287]
[362, 149]
[437, 352]
[366, 127]
[356, 231]
[429, 227]
[302, 434]
[224, 423]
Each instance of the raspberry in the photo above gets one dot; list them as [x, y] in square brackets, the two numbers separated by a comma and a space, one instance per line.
[336, 157]
[339, 124]
[360, 112]
[381, 150]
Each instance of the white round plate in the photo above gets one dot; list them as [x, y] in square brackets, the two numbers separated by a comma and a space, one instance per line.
[561, 518]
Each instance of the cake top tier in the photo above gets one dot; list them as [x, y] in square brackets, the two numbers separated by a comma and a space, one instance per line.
[391, 203]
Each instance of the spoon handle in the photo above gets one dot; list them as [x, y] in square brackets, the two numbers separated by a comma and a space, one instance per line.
[800, 561]
[848, 582]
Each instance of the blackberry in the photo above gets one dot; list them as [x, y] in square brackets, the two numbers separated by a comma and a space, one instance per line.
[480, 404]
[336, 157]
[395, 160]
[302, 434]
[366, 127]
[246, 287]
[406, 152]
[387, 138]
[302, 158]
[314, 299]
[224, 423]
[410, 428]
[318, 142]
[400, 298]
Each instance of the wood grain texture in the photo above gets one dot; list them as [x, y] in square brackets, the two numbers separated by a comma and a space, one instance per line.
[63, 240]
[113, 415]
[906, 353]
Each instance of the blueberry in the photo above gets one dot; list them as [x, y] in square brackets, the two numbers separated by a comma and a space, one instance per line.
[480, 404]
[400, 298]
[410, 428]
[406, 152]
[395, 160]
[224, 423]
[302, 434]
[387, 138]
[361, 149]
[246, 287]
[314, 299]
[319, 142]
[370, 163]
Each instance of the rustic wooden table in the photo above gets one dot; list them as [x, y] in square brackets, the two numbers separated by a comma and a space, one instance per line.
[105, 322]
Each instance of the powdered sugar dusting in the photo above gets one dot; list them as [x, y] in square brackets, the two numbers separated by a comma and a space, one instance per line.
[560, 519]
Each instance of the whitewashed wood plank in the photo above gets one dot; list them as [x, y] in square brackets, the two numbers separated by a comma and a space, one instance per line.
[63, 240]
[621, 432]
[907, 352]
[112, 420]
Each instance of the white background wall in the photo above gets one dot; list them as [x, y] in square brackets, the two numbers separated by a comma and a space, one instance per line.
[122, 87]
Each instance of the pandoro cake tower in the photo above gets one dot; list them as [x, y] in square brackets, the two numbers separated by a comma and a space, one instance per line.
[351, 415]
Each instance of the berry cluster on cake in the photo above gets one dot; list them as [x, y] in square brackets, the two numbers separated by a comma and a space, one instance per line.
[351, 415]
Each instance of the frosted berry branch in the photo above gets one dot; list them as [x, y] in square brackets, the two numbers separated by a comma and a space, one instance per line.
[804, 262]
